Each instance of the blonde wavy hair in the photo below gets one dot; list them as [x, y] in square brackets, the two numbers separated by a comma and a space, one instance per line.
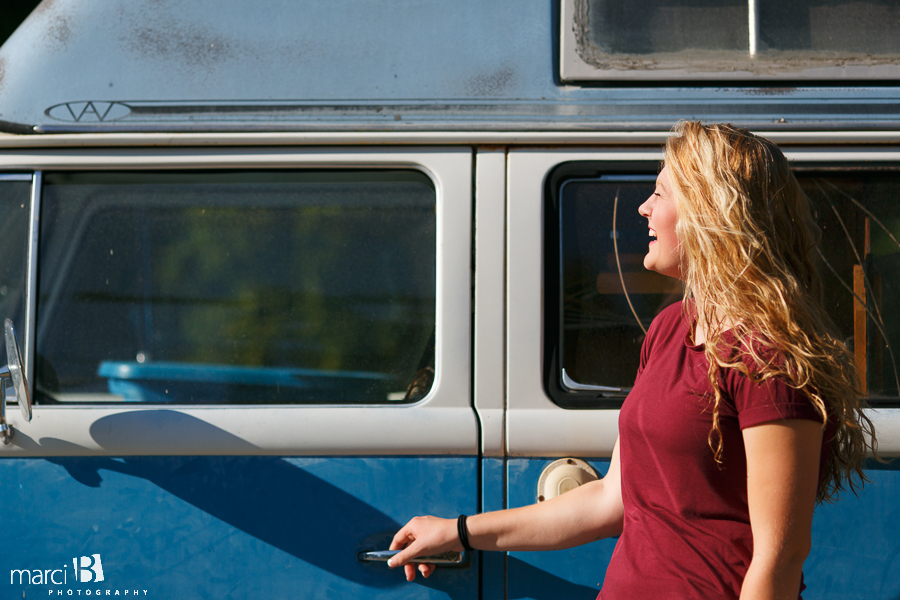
[749, 261]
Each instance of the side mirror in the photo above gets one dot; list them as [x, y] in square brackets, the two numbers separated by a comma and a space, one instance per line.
[13, 372]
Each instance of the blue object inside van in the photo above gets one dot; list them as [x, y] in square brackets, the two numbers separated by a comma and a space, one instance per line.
[213, 384]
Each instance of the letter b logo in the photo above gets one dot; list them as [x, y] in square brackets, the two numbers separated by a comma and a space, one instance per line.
[89, 569]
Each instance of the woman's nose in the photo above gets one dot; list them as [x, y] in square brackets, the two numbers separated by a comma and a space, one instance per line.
[644, 209]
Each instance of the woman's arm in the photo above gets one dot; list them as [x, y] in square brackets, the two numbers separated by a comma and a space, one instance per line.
[585, 514]
[782, 477]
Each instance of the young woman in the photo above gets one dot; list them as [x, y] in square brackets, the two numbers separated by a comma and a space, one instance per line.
[745, 411]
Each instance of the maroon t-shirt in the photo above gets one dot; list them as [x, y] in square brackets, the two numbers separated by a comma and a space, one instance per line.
[687, 524]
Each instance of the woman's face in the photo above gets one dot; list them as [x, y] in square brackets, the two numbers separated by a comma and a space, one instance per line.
[664, 253]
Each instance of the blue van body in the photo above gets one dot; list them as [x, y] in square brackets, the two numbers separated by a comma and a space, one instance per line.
[285, 276]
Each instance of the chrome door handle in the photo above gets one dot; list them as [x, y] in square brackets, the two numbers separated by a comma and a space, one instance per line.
[447, 558]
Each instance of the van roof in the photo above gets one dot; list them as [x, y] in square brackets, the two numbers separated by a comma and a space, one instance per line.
[373, 65]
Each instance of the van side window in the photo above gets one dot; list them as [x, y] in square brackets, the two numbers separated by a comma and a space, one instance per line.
[860, 220]
[274, 287]
[15, 203]
[606, 299]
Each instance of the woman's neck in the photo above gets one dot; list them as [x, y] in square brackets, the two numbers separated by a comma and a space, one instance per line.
[698, 335]
[698, 331]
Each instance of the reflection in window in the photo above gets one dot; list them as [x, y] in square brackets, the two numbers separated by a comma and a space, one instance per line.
[237, 287]
[15, 203]
[860, 220]
[608, 299]
[602, 327]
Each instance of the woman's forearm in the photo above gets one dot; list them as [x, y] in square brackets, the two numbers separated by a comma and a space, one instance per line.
[585, 514]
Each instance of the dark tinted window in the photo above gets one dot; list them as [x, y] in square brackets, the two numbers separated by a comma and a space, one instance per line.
[249, 287]
[606, 299]
[860, 220]
[15, 206]
[651, 26]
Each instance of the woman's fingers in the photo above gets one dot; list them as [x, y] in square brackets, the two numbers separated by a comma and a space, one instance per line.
[426, 569]
[402, 538]
[403, 557]
[405, 542]
[422, 536]
[409, 568]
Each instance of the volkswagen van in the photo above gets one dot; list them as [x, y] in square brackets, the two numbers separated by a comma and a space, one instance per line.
[286, 274]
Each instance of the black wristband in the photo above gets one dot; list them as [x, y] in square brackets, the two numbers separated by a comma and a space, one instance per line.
[463, 532]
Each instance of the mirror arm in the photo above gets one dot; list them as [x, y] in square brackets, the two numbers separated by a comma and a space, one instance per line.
[14, 375]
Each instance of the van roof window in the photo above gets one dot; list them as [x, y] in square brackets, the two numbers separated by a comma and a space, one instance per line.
[693, 40]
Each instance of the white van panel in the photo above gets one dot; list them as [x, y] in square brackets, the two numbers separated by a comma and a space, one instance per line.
[490, 221]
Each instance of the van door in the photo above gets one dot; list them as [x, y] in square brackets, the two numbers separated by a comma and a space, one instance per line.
[249, 367]
[579, 302]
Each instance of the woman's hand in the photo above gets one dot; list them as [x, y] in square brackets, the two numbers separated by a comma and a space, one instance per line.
[424, 536]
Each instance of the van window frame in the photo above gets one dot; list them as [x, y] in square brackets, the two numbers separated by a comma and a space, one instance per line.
[443, 422]
[226, 378]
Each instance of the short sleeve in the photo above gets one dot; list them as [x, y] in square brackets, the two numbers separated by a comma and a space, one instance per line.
[772, 400]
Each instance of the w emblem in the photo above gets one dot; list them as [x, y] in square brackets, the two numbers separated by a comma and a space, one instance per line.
[88, 568]
[88, 112]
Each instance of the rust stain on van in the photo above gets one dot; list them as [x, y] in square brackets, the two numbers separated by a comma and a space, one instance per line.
[57, 26]
[44, 7]
[191, 46]
[171, 40]
[493, 83]
[2, 74]
[59, 29]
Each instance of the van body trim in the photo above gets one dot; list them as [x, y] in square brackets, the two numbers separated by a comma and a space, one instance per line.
[34, 227]
[243, 431]
[634, 136]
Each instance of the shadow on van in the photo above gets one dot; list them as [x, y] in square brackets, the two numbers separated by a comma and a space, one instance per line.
[537, 584]
[321, 510]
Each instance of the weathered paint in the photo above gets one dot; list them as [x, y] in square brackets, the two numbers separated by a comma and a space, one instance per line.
[228, 527]
[206, 65]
